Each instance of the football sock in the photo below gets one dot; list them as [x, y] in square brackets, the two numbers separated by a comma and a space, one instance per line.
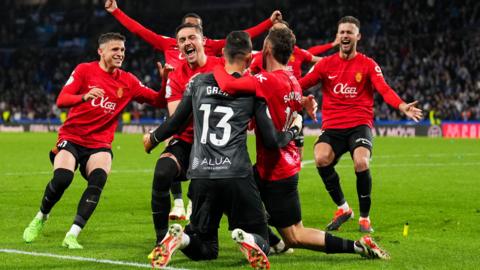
[364, 188]
[332, 183]
[335, 244]
[90, 197]
[165, 171]
[41, 215]
[62, 178]
[272, 237]
[75, 230]
[185, 241]
[176, 189]
[178, 202]
[344, 206]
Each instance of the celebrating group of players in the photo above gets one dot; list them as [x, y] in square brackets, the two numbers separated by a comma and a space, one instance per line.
[212, 101]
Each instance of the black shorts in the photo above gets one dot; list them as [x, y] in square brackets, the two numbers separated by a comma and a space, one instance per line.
[281, 200]
[238, 198]
[181, 150]
[81, 154]
[343, 140]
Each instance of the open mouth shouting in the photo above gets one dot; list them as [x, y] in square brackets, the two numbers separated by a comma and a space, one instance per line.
[190, 53]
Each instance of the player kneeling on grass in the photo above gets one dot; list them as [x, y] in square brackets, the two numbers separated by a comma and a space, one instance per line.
[96, 94]
[220, 167]
[277, 169]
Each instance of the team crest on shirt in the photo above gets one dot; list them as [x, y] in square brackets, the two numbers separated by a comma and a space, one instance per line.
[292, 58]
[120, 92]
[358, 77]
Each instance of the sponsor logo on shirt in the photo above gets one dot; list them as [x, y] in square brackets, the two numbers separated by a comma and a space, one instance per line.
[108, 106]
[331, 77]
[344, 89]
[218, 163]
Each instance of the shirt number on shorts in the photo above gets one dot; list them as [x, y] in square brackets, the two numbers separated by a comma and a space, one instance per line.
[223, 123]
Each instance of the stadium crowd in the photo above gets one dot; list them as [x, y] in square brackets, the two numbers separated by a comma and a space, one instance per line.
[427, 49]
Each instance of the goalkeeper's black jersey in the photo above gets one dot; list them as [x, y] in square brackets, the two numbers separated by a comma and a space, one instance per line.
[220, 130]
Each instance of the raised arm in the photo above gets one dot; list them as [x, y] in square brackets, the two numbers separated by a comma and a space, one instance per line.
[391, 97]
[70, 94]
[262, 27]
[158, 41]
[270, 136]
[231, 85]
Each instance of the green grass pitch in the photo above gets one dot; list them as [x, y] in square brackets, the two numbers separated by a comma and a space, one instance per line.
[434, 184]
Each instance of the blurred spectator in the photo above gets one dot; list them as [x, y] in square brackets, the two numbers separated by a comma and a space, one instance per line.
[427, 49]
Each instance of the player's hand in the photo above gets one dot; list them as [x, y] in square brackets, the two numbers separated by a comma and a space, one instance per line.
[411, 111]
[311, 106]
[297, 122]
[93, 94]
[147, 143]
[276, 16]
[111, 5]
[164, 70]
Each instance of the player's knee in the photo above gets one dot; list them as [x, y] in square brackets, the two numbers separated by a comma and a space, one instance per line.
[323, 159]
[165, 172]
[97, 178]
[361, 164]
[62, 178]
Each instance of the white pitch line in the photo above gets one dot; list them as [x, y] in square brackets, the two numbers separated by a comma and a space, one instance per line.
[83, 259]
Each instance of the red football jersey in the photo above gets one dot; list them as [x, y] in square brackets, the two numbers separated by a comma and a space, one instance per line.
[348, 87]
[283, 95]
[168, 45]
[294, 65]
[177, 82]
[93, 123]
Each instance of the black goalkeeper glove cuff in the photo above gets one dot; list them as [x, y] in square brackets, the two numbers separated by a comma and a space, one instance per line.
[153, 139]
[294, 131]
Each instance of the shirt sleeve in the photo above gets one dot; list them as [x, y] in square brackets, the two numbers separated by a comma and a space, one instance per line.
[70, 94]
[306, 55]
[216, 45]
[231, 85]
[382, 87]
[174, 90]
[313, 77]
[258, 29]
[144, 94]
[178, 119]
[319, 49]
[158, 41]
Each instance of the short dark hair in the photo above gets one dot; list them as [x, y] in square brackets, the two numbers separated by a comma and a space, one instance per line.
[106, 37]
[349, 19]
[237, 44]
[192, 15]
[282, 41]
[188, 25]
